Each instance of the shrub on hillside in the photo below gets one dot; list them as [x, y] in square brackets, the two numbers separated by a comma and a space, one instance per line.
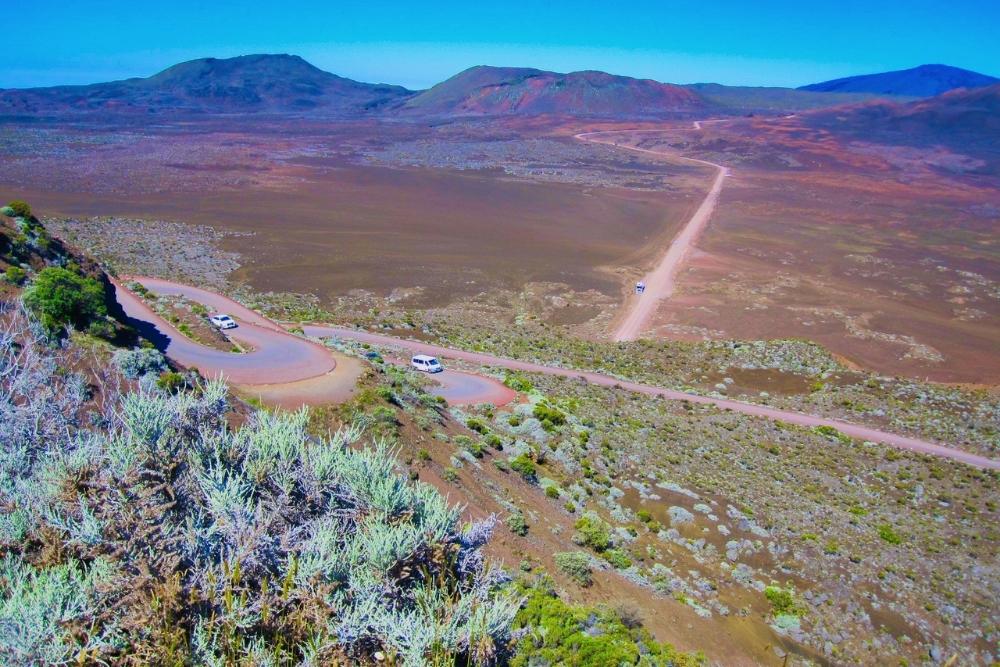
[524, 466]
[170, 538]
[135, 363]
[575, 565]
[592, 531]
[17, 209]
[557, 633]
[15, 275]
[59, 297]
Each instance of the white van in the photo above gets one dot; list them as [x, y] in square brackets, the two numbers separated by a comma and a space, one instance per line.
[427, 364]
[223, 321]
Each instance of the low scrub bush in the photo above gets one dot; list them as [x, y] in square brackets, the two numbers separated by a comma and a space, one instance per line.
[557, 633]
[575, 565]
[136, 363]
[889, 534]
[592, 531]
[545, 413]
[618, 559]
[517, 525]
[15, 275]
[524, 466]
[782, 601]
[17, 209]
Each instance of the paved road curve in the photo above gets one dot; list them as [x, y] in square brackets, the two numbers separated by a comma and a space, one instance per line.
[281, 364]
[277, 355]
[853, 430]
[661, 281]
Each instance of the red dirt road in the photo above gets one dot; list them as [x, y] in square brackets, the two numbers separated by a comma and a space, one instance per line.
[852, 430]
[280, 357]
[661, 281]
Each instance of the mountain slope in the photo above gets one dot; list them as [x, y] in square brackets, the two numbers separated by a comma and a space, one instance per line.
[964, 121]
[767, 99]
[255, 83]
[492, 91]
[922, 81]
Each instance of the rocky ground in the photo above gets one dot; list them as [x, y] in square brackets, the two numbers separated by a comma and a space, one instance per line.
[157, 248]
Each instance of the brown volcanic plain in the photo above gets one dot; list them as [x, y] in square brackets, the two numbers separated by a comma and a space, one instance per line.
[325, 221]
[884, 252]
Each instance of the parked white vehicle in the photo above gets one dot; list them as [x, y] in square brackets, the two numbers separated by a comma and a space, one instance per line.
[427, 364]
[223, 321]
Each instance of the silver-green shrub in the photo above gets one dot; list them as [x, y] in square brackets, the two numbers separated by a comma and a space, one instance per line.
[168, 535]
[135, 363]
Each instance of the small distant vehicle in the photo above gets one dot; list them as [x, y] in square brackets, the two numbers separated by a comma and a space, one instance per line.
[640, 287]
[223, 321]
[426, 363]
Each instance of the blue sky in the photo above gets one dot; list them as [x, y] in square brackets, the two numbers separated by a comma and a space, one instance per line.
[417, 44]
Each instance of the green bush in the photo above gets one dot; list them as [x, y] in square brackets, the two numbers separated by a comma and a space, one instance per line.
[517, 524]
[544, 412]
[170, 381]
[887, 533]
[552, 492]
[59, 297]
[618, 559]
[557, 633]
[782, 601]
[476, 425]
[523, 465]
[575, 565]
[19, 209]
[15, 275]
[593, 532]
[518, 382]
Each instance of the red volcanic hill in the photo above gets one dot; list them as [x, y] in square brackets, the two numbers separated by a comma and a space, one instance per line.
[496, 91]
[255, 83]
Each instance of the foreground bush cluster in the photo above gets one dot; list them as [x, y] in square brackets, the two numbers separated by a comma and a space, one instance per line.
[163, 536]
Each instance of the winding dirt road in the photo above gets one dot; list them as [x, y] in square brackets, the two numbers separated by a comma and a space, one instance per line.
[661, 281]
[280, 357]
[798, 418]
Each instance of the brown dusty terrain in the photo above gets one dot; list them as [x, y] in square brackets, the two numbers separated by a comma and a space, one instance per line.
[886, 260]
[885, 254]
[324, 222]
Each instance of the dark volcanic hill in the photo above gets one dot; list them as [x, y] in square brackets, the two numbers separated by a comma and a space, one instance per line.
[965, 121]
[922, 81]
[246, 84]
[495, 91]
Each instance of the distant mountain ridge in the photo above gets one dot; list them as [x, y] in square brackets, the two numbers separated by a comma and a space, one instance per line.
[922, 81]
[492, 91]
[255, 83]
[287, 84]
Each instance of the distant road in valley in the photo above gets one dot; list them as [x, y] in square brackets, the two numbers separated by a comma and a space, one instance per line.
[661, 281]
[280, 357]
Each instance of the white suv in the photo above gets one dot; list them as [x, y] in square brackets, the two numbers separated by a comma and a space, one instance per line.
[223, 321]
[425, 363]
